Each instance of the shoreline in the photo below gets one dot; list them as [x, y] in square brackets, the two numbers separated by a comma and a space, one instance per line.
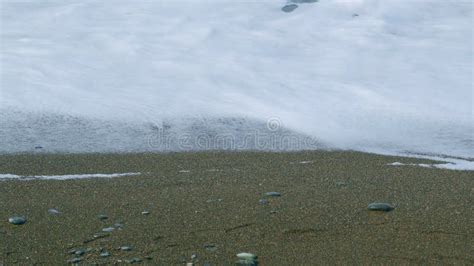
[209, 204]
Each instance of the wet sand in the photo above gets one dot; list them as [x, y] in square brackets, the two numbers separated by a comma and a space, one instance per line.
[207, 204]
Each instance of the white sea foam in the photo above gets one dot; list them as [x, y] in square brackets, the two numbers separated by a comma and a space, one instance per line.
[65, 177]
[395, 78]
[456, 165]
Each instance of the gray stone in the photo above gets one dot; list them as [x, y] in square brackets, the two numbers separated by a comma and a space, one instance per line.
[54, 211]
[263, 201]
[108, 229]
[245, 258]
[118, 225]
[125, 248]
[289, 8]
[104, 254]
[80, 252]
[74, 261]
[378, 206]
[210, 247]
[102, 217]
[145, 212]
[273, 194]
[17, 220]
[134, 260]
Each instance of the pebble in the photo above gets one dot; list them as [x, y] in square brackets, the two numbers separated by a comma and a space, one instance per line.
[289, 8]
[126, 248]
[118, 225]
[247, 259]
[263, 201]
[54, 211]
[105, 254]
[145, 212]
[108, 229]
[102, 217]
[273, 194]
[80, 252]
[74, 260]
[17, 220]
[134, 260]
[377, 206]
[72, 251]
[210, 247]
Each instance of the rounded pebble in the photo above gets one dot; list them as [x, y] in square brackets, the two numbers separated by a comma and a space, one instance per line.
[210, 247]
[108, 229]
[145, 212]
[263, 201]
[246, 259]
[80, 252]
[378, 206]
[17, 220]
[74, 260]
[246, 256]
[134, 260]
[54, 211]
[125, 248]
[102, 217]
[105, 254]
[273, 194]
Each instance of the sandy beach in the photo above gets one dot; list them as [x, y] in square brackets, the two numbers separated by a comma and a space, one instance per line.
[205, 208]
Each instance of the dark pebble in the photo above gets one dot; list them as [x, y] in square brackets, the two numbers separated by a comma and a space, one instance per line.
[17, 220]
[102, 217]
[273, 194]
[134, 260]
[80, 252]
[74, 261]
[376, 206]
[210, 247]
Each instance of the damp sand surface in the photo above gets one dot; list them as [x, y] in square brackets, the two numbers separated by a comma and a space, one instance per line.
[207, 207]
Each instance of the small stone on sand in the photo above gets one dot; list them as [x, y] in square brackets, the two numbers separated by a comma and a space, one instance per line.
[102, 217]
[246, 259]
[134, 260]
[263, 201]
[273, 194]
[105, 254]
[54, 211]
[74, 260]
[17, 220]
[210, 247]
[377, 206]
[125, 248]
